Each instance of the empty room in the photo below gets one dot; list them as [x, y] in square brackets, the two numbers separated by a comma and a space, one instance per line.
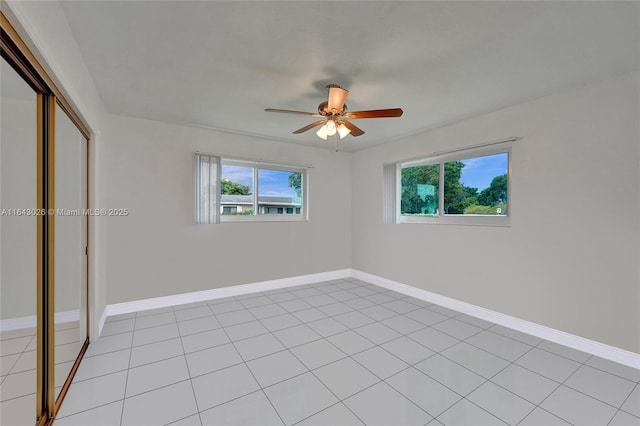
[319, 213]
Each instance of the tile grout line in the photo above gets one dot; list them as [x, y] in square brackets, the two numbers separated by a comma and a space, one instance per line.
[637, 386]
[459, 341]
[481, 329]
[340, 400]
[250, 371]
[560, 384]
[328, 363]
[184, 356]
[510, 362]
[489, 380]
[539, 405]
[126, 382]
[375, 321]
[563, 383]
[20, 355]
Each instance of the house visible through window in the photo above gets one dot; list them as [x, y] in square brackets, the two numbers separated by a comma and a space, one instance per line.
[256, 191]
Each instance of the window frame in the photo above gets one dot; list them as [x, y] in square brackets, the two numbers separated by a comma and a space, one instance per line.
[456, 219]
[256, 216]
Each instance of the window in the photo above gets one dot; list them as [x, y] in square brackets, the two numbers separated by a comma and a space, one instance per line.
[477, 186]
[469, 187]
[236, 189]
[245, 190]
[279, 190]
[420, 190]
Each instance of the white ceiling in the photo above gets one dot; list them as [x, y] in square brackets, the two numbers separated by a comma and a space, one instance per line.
[219, 64]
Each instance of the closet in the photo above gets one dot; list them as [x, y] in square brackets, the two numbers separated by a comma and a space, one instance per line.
[44, 225]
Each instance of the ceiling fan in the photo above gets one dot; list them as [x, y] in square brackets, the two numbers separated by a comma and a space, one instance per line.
[335, 116]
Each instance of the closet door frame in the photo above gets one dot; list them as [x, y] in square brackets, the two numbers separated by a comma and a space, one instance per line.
[15, 51]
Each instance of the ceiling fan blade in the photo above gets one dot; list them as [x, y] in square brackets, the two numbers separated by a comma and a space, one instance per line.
[375, 113]
[355, 130]
[287, 111]
[337, 97]
[310, 126]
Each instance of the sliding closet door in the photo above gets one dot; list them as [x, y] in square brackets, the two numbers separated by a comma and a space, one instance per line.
[43, 237]
[18, 249]
[70, 241]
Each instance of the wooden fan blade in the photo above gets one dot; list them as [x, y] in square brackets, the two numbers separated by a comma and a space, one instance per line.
[337, 97]
[355, 130]
[287, 111]
[310, 126]
[375, 113]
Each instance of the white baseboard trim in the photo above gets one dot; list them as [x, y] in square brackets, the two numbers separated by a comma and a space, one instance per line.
[103, 318]
[602, 350]
[31, 321]
[218, 293]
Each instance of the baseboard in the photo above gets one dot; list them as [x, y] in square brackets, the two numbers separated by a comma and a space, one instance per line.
[31, 321]
[101, 322]
[602, 350]
[218, 293]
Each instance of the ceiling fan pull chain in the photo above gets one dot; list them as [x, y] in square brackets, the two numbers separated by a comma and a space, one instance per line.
[336, 139]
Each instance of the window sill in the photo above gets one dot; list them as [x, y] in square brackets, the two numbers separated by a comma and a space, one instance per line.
[467, 220]
[264, 218]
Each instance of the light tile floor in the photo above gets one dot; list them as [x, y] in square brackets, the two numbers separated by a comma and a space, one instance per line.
[18, 369]
[342, 352]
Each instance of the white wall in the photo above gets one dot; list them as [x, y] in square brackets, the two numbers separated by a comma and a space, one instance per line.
[158, 250]
[570, 258]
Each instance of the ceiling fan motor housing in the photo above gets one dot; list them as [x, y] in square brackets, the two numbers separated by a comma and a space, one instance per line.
[323, 109]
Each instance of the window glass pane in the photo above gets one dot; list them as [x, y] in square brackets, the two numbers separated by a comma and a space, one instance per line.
[236, 190]
[420, 190]
[279, 190]
[477, 186]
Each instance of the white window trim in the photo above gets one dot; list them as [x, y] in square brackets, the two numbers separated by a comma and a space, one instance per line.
[445, 157]
[255, 217]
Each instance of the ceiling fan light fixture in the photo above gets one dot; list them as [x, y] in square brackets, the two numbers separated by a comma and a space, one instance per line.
[343, 130]
[322, 132]
[331, 127]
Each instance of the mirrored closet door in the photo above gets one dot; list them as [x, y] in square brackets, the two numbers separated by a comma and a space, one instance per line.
[44, 227]
[70, 243]
[18, 245]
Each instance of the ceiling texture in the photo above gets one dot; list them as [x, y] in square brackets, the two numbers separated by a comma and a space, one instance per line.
[218, 64]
